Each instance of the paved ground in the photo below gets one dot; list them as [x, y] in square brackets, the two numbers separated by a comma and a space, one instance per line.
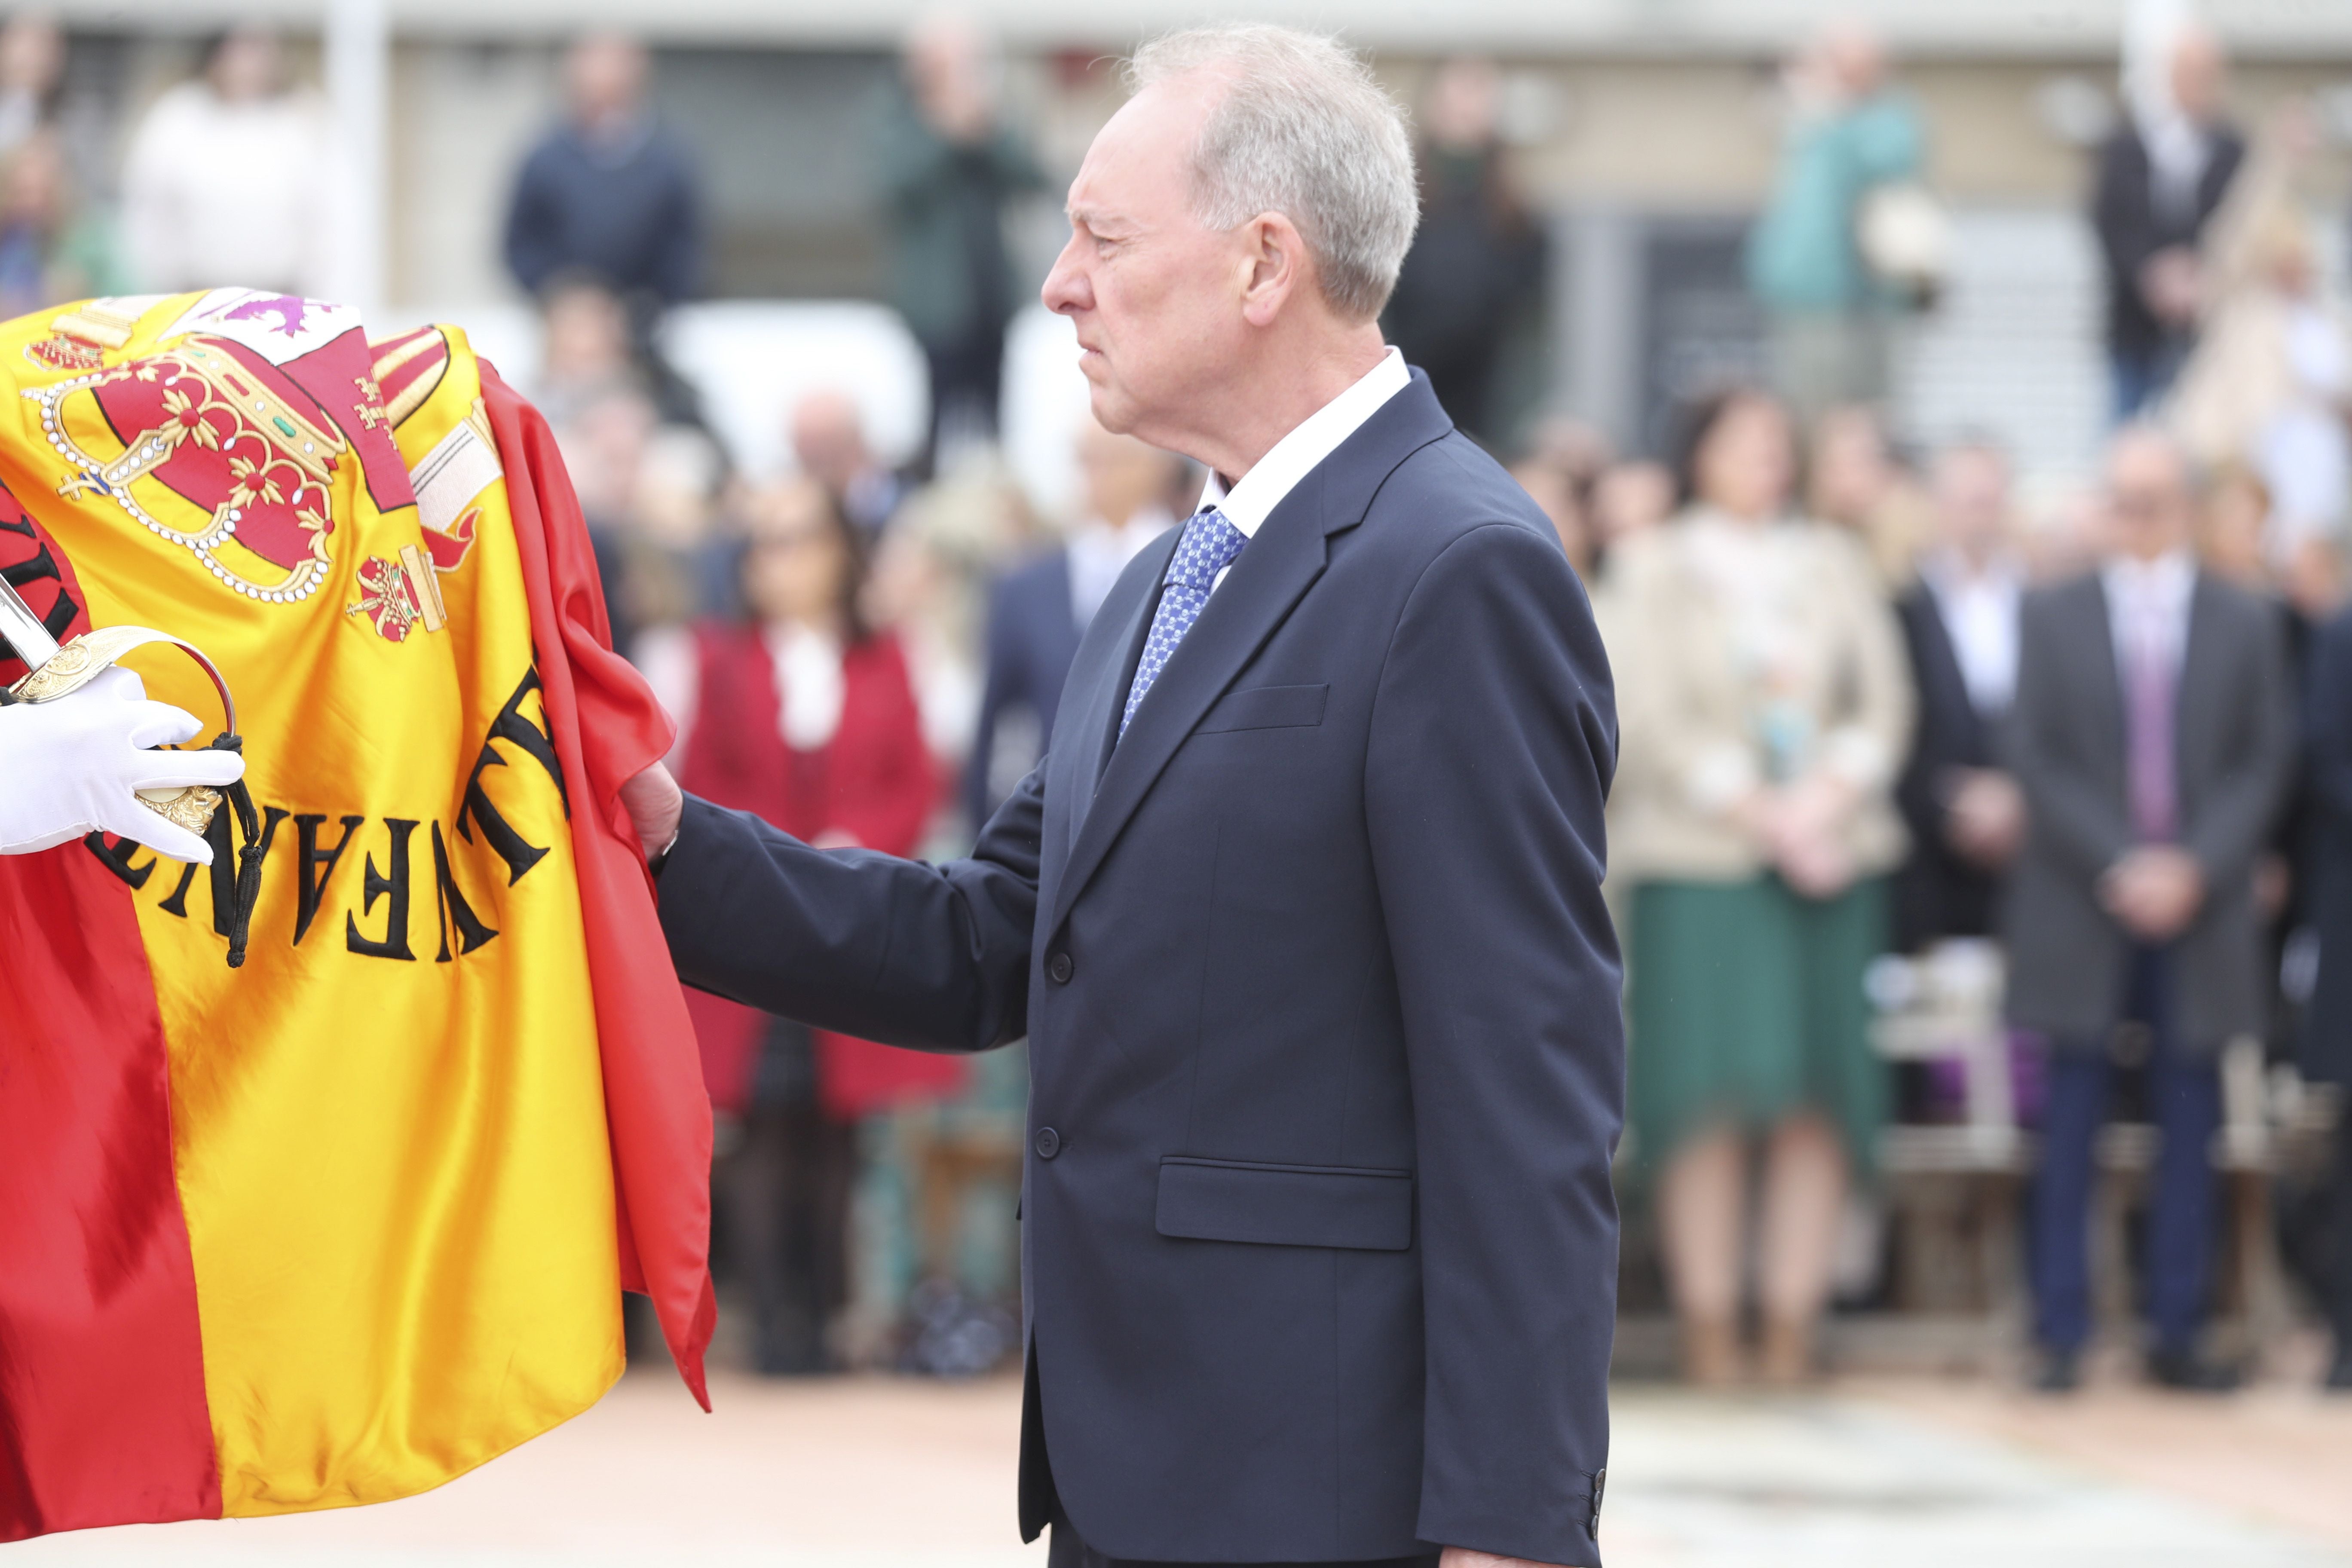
[881, 1474]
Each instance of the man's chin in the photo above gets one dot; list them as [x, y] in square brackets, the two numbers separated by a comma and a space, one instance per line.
[1112, 412]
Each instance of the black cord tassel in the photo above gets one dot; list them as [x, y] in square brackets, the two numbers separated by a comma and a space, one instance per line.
[248, 857]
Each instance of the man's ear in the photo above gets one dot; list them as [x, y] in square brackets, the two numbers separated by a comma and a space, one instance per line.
[1278, 266]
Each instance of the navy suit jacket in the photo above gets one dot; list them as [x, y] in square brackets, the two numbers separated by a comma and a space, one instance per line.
[1937, 893]
[1032, 637]
[1320, 1249]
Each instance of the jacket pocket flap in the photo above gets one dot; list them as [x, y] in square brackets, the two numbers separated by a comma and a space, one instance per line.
[1285, 1206]
[1266, 708]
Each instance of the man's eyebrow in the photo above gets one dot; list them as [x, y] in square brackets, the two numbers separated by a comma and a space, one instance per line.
[1094, 218]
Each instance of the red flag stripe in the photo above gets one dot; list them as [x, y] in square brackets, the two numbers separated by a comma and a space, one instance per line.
[102, 1413]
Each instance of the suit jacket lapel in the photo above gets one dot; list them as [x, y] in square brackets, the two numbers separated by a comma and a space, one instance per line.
[1088, 723]
[2096, 655]
[1272, 573]
[1939, 662]
[1058, 622]
[1268, 579]
[2195, 698]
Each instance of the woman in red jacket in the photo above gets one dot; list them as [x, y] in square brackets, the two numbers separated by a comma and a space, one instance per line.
[803, 714]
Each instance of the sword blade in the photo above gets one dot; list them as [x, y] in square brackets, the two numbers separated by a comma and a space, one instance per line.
[23, 630]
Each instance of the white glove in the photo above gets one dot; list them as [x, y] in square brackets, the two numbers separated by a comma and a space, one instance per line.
[70, 766]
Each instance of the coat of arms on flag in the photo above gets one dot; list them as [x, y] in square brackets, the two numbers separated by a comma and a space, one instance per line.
[343, 1224]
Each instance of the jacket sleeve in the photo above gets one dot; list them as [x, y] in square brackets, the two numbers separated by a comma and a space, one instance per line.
[531, 239]
[996, 693]
[2121, 213]
[2328, 715]
[678, 262]
[1867, 746]
[1493, 741]
[1889, 139]
[2234, 820]
[1918, 789]
[1671, 747]
[2084, 830]
[933, 957]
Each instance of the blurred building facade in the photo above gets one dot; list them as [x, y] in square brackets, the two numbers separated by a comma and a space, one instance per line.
[1642, 131]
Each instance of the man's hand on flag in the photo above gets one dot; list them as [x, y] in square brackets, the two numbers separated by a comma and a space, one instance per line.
[655, 804]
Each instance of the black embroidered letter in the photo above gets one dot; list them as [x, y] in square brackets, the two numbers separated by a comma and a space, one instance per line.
[313, 866]
[395, 926]
[118, 859]
[454, 910]
[520, 854]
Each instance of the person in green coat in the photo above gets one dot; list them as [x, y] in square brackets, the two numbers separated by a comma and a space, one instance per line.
[1849, 131]
[51, 250]
[947, 168]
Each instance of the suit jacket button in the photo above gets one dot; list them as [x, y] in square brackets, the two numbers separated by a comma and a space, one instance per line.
[1059, 968]
[1049, 1142]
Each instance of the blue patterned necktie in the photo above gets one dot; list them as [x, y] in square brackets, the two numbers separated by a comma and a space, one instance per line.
[1208, 547]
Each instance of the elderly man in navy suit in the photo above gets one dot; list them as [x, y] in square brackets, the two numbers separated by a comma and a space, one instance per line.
[1302, 914]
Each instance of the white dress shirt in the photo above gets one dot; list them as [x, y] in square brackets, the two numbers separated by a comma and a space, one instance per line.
[808, 679]
[1254, 497]
[2148, 608]
[1099, 553]
[1979, 614]
[808, 676]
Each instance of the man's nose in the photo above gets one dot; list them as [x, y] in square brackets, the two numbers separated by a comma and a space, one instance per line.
[1066, 288]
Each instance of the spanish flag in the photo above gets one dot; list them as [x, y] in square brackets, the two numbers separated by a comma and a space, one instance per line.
[347, 1222]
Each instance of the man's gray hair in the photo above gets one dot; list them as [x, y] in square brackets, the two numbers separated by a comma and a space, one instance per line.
[1303, 130]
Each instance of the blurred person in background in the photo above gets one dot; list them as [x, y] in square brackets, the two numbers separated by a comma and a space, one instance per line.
[931, 573]
[1475, 270]
[1854, 479]
[1849, 131]
[602, 420]
[610, 192]
[32, 63]
[2326, 1042]
[2231, 526]
[584, 355]
[2153, 736]
[1556, 492]
[1765, 709]
[648, 486]
[1628, 498]
[1560, 466]
[2161, 176]
[1965, 813]
[1039, 609]
[2235, 542]
[229, 180]
[801, 712]
[948, 168]
[51, 250]
[828, 440]
[2270, 381]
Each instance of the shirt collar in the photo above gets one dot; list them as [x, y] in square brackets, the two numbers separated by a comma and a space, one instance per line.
[2167, 578]
[1947, 574]
[1253, 497]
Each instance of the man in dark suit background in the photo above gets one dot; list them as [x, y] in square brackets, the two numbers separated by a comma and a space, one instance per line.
[1039, 609]
[2153, 735]
[2161, 175]
[2326, 1037]
[1959, 626]
[1302, 916]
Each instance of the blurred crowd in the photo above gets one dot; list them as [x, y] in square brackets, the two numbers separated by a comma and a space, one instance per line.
[1887, 732]
[1946, 802]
